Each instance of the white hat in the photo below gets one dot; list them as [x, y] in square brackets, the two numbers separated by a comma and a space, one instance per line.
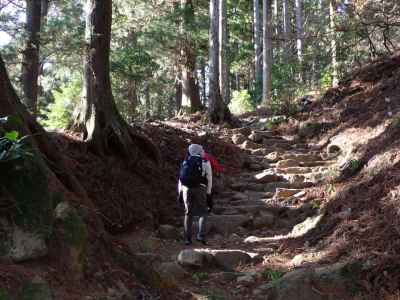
[196, 150]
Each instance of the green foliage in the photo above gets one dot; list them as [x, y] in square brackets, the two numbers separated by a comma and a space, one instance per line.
[12, 148]
[65, 100]
[200, 276]
[354, 165]
[241, 102]
[272, 275]
[273, 122]
[4, 295]
[330, 188]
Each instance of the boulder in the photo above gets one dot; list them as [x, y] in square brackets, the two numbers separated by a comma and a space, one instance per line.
[294, 170]
[339, 281]
[171, 270]
[27, 246]
[168, 232]
[256, 137]
[230, 259]
[238, 138]
[194, 258]
[244, 131]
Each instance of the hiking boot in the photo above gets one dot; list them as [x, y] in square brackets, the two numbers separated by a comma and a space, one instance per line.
[188, 242]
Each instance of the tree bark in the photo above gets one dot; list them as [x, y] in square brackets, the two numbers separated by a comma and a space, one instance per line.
[299, 30]
[332, 29]
[223, 61]
[257, 30]
[178, 95]
[286, 30]
[267, 52]
[30, 64]
[104, 129]
[217, 110]
[190, 90]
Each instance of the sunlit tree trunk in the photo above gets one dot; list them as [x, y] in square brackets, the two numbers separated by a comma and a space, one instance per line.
[286, 30]
[30, 64]
[257, 29]
[299, 29]
[267, 52]
[217, 110]
[332, 28]
[223, 60]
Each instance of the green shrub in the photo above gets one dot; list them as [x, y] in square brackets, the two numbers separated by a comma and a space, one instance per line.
[241, 102]
[272, 275]
[200, 276]
[65, 100]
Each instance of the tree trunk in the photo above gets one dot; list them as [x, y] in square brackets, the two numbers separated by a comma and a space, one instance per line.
[178, 95]
[257, 29]
[332, 28]
[190, 91]
[30, 64]
[104, 129]
[286, 30]
[204, 83]
[267, 52]
[147, 102]
[217, 110]
[299, 30]
[223, 60]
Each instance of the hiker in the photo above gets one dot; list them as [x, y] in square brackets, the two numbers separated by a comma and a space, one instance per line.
[194, 189]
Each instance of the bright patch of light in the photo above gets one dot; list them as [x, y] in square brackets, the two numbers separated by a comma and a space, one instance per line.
[5, 38]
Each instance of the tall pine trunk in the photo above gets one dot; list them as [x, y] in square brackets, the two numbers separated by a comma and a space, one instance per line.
[190, 90]
[217, 110]
[267, 52]
[257, 29]
[223, 59]
[30, 64]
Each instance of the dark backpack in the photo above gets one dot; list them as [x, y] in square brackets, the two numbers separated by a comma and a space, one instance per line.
[191, 171]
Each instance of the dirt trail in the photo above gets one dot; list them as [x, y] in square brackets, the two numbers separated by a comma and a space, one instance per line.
[252, 217]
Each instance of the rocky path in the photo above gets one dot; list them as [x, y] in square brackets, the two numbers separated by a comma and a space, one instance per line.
[253, 216]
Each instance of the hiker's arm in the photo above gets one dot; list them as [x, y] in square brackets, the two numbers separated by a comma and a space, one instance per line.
[209, 177]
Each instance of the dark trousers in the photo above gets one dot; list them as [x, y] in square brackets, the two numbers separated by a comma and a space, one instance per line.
[195, 200]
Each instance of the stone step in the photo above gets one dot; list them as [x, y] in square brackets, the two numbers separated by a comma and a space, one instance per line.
[304, 157]
[227, 224]
[286, 193]
[293, 170]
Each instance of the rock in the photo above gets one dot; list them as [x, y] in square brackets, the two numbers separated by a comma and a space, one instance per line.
[272, 157]
[227, 224]
[238, 138]
[265, 219]
[27, 246]
[239, 196]
[302, 157]
[304, 227]
[62, 210]
[229, 276]
[258, 187]
[294, 170]
[239, 186]
[303, 258]
[287, 163]
[267, 176]
[249, 145]
[256, 137]
[273, 186]
[261, 151]
[338, 281]
[194, 258]
[171, 270]
[244, 131]
[168, 232]
[246, 279]
[230, 259]
[36, 289]
[286, 193]
[256, 167]
[294, 178]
